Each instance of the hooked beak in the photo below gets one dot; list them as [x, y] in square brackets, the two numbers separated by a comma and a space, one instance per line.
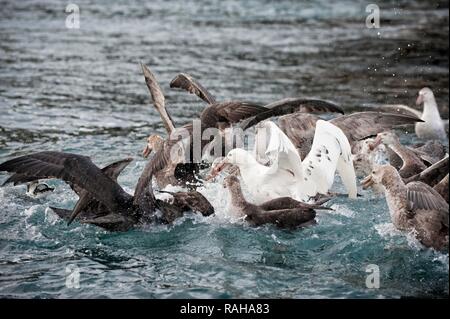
[367, 182]
[375, 143]
[419, 100]
[146, 152]
[217, 169]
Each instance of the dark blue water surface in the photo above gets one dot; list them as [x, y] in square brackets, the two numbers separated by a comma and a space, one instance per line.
[82, 91]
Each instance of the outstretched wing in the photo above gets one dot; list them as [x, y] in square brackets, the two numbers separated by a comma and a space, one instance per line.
[280, 151]
[300, 128]
[85, 201]
[423, 196]
[398, 108]
[229, 113]
[158, 98]
[293, 105]
[17, 179]
[330, 152]
[188, 83]
[358, 126]
[74, 169]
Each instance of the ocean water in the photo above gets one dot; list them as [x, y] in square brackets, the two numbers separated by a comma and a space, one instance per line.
[81, 90]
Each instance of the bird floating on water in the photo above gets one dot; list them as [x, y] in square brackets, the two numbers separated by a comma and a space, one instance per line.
[432, 127]
[413, 207]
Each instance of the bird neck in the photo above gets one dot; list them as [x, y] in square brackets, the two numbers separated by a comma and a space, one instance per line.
[396, 197]
[251, 164]
[430, 110]
[400, 150]
[237, 197]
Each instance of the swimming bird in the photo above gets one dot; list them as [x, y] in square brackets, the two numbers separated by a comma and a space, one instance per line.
[217, 118]
[171, 170]
[433, 127]
[357, 127]
[112, 170]
[180, 154]
[103, 202]
[286, 174]
[283, 212]
[413, 207]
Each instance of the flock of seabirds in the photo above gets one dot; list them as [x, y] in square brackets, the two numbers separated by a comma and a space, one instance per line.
[287, 176]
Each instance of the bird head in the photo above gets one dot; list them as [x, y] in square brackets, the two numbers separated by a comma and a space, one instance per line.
[154, 142]
[425, 94]
[377, 175]
[386, 138]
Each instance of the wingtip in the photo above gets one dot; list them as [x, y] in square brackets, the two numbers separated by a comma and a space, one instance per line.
[71, 219]
[245, 124]
[172, 83]
[145, 70]
[337, 108]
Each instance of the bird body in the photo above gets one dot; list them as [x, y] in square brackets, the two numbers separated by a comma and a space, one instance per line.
[287, 175]
[433, 127]
[283, 212]
[413, 207]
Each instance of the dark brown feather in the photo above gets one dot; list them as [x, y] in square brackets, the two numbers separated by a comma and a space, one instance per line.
[292, 105]
[358, 126]
[188, 83]
[228, 112]
[74, 169]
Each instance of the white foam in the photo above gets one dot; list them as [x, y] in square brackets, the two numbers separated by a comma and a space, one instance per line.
[342, 210]
[50, 216]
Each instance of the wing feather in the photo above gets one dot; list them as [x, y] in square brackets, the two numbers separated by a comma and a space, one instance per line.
[188, 83]
[330, 151]
[293, 105]
[358, 126]
[73, 169]
[424, 197]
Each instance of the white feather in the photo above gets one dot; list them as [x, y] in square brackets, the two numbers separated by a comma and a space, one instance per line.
[330, 152]
[286, 174]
